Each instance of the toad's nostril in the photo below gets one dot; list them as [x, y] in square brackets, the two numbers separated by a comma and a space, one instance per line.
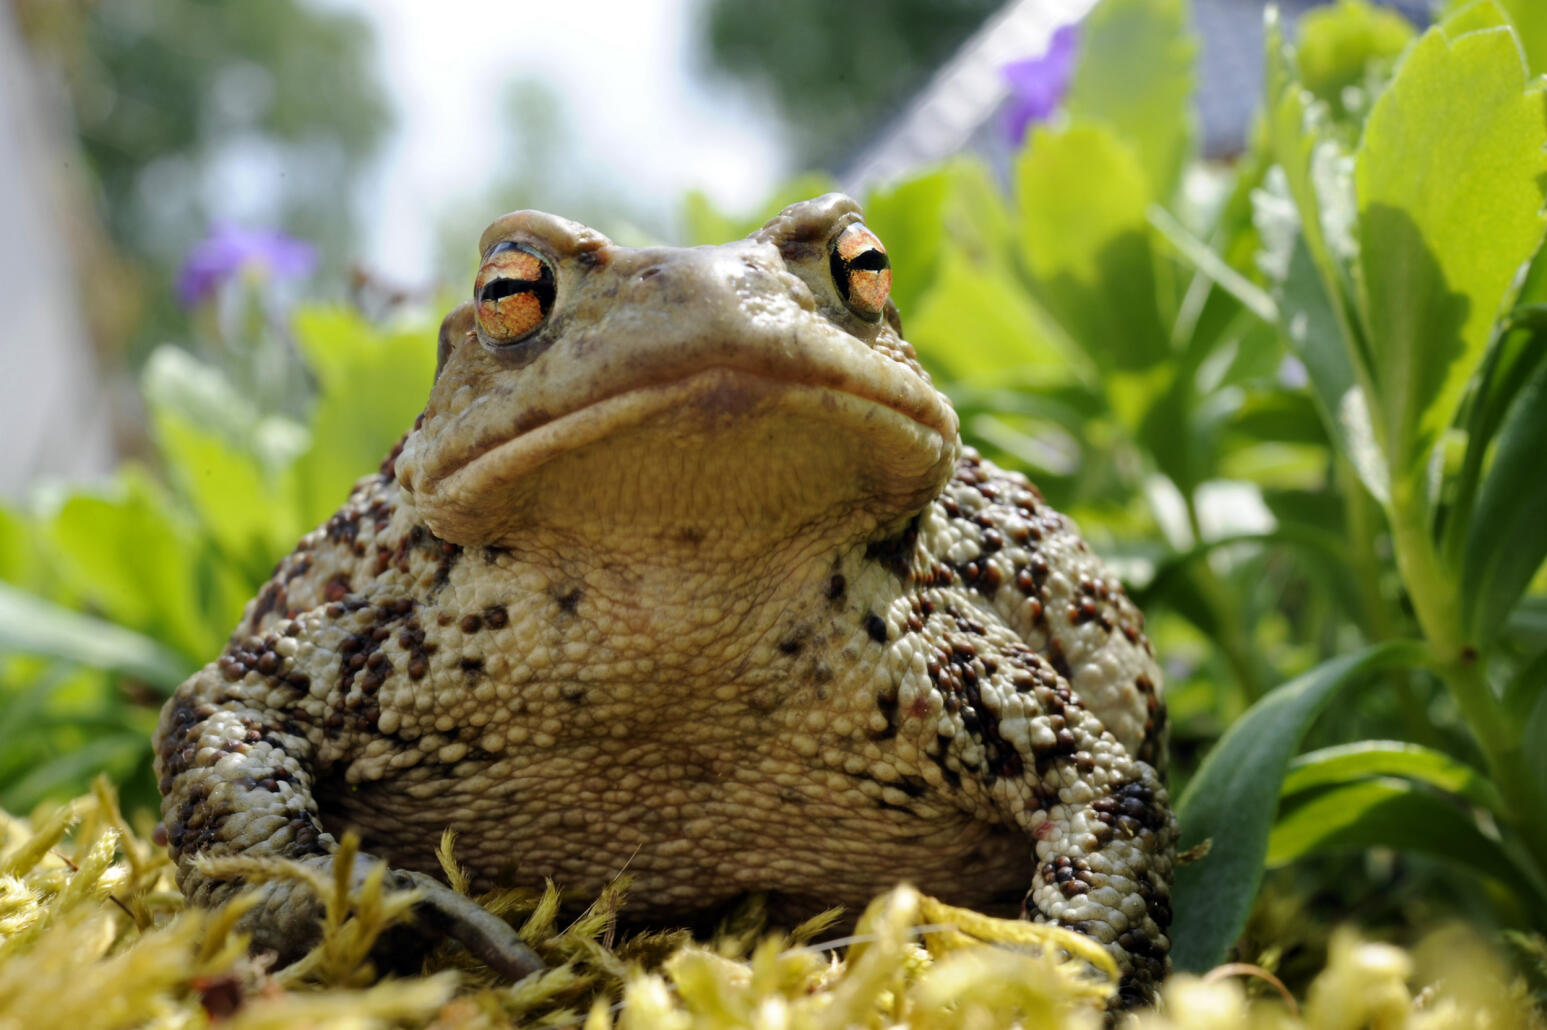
[649, 273]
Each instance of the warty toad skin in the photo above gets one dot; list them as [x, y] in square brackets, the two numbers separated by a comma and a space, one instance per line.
[684, 568]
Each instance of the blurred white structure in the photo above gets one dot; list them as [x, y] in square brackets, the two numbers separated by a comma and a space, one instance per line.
[54, 418]
[958, 109]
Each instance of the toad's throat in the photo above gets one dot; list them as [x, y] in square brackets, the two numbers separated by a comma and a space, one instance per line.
[767, 452]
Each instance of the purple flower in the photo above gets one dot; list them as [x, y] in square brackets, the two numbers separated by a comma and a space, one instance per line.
[1038, 84]
[230, 250]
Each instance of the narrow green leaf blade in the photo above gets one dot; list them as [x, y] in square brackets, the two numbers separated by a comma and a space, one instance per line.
[1363, 759]
[32, 625]
[1231, 800]
[1388, 813]
[1507, 529]
[66, 774]
[1449, 179]
[1533, 738]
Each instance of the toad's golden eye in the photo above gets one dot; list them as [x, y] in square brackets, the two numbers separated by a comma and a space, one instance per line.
[513, 293]
[861, 271]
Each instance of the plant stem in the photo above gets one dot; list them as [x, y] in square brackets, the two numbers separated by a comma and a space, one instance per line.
[1365, 523]
[1437, 603]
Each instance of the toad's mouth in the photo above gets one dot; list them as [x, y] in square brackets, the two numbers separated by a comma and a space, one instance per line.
[723, 392]
[891, 434]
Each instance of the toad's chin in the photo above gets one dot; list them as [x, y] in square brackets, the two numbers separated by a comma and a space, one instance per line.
[721, 446]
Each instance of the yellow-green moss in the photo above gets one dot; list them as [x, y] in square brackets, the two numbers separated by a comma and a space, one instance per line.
[93, 934]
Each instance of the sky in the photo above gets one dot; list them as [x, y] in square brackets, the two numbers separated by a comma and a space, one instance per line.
[642, 118]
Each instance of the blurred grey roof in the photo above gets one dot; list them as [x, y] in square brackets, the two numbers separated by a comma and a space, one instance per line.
[959, 108]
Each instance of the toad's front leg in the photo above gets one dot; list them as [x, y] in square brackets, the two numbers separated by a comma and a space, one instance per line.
[1027, 750]
[236, 760]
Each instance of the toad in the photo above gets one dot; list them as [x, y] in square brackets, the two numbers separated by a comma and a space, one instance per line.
[685, 569]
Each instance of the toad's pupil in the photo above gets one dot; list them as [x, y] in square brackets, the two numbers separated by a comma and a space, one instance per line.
[870, 261]
[541, 288]
[501, 288]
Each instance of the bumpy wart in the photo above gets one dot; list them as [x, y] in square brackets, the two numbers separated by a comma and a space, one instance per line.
[685, 569]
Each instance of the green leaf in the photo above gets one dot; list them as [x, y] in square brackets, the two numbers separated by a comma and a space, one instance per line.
[1530, 20]
[224, 459]
[1135, 74]
[1449, 184]
[1337, 765]
[67, 774]
[1533, 738]
[31, 625]
[1393, 814]
[134, 556]
[1519, 348]
[1507, 538]
[1312, 161]
[907, 218]
[1231, 800]
[1313, 328]
[174, 381]
[19, 559]
[1201, 257]
[1304, 216]
[1346, 50]
[1085, 241]
[706, 223]
[238, 502]
[977, 213]
[978, 323]
[371, 386]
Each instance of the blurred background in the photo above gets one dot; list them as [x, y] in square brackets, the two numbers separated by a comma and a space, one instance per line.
[383, 135]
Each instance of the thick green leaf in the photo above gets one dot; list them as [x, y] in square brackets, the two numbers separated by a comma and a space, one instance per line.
[977, 213]
[705, 223]
[20, 562]
[1337, 765]
[1388, 813]
[1507, 538]
[177, 382]
[908, 218]
[1345, 50]
[1449, 183]
[238, 503]
[978, 323]
[1530, 21]
[1086, 243]
[32, 625]
[371, 387]
[1231, 801]
[137, 558]
[224, 458]
[1135, 74]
